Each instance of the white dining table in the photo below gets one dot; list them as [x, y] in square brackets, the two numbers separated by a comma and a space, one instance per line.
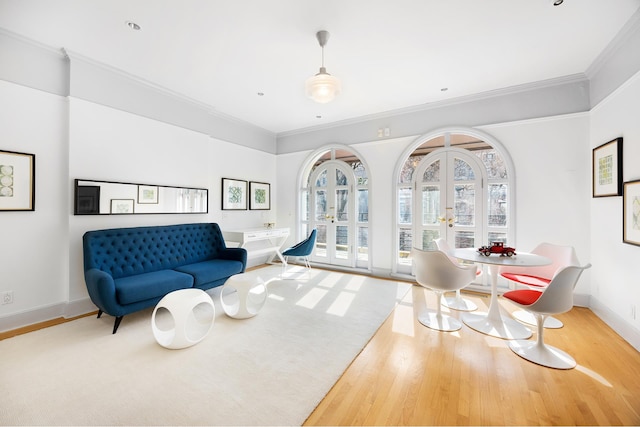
[493, 322]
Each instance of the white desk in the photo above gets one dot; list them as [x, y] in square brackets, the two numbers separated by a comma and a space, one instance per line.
[258, 241]
[492, 323]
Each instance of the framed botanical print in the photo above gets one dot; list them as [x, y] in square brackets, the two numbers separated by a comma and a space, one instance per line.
[17, 181]
[607, 169]
[234, 194]
[122, 206]
[631, 213]
[260, 195]
[148, 194]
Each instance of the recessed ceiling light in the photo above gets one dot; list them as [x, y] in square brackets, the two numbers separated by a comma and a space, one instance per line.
[558, 2]
[260, 93]
[444, 89]
[318, 116]
[133, 26]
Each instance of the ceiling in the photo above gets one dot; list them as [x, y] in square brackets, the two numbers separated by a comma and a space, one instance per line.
[389, 54]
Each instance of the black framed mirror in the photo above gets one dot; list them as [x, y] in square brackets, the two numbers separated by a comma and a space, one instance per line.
[125, 198]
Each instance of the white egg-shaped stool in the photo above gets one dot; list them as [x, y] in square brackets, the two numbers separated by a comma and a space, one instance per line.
[243, 296]
[192, 314]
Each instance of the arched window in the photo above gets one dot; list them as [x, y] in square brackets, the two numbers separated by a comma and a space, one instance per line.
[455, 184]
[334, 199]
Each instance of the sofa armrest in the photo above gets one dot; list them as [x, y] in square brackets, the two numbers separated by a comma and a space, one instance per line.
[234, 254]
[102, 291]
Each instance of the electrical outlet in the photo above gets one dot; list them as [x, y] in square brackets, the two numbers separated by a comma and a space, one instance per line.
[6, 297]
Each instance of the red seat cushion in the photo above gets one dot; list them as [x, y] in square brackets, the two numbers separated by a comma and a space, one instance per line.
[527, 280]
[523, 296]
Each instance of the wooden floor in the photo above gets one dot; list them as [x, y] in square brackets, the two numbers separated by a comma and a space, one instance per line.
[411, 375]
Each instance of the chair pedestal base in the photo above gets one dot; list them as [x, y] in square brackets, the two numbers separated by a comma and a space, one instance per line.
[439, 322]
[542, 354]
[459, 303]
[528, 318]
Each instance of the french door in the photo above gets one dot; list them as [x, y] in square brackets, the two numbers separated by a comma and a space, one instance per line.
[449, 199]
[333, 213]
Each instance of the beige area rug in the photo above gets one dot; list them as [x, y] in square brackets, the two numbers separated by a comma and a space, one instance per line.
[272, 369]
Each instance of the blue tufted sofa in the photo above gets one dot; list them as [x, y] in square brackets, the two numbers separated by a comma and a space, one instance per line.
[129, 269]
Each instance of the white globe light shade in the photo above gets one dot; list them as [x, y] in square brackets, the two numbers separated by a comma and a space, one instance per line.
[322, 87]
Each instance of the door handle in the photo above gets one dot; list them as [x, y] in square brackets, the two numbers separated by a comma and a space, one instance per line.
[449, 218]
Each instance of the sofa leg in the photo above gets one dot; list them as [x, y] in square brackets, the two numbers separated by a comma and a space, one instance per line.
[117, 323]
[99, 313]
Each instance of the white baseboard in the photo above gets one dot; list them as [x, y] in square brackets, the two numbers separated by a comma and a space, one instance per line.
[581, 300]
[627, 331]
[43, 314]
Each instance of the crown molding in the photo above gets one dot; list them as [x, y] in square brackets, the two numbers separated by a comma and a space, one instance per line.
[74, 56]
[510, 90]
[33, 43]
[626, 32]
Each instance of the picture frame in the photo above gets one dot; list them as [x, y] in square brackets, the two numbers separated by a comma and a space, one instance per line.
[87, 200]
[607, 169]
[17, 181]
[631, 213]
[259, 196]
[122, 206]
[234, 194]
[148, 194]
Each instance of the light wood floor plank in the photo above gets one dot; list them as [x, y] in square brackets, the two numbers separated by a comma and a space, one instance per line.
[411, 375]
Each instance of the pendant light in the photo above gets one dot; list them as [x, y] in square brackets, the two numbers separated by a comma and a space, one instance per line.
[322, 87]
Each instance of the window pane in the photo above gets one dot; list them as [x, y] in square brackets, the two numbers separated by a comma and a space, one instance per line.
[498, 205]
[497, 237]
[341, 179]
[363, 243]
[404, 205]
[322, 179]
[305, 205]
[430, 204]
[428, 239]
[432, 173]
[321, 205]
[462, 171]
[363, 205]
[360, 173]
[342, 205]
[342, 242]
[321, 241]
[405, 245]
[408, 168]
[465, 239]
[493, 163]
[464, 202]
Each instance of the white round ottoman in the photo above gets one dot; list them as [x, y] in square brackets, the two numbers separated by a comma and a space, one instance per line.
[243, 296]
[182, 318]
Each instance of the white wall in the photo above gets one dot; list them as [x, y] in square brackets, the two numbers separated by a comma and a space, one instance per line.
[34, 245]
[616, 282]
